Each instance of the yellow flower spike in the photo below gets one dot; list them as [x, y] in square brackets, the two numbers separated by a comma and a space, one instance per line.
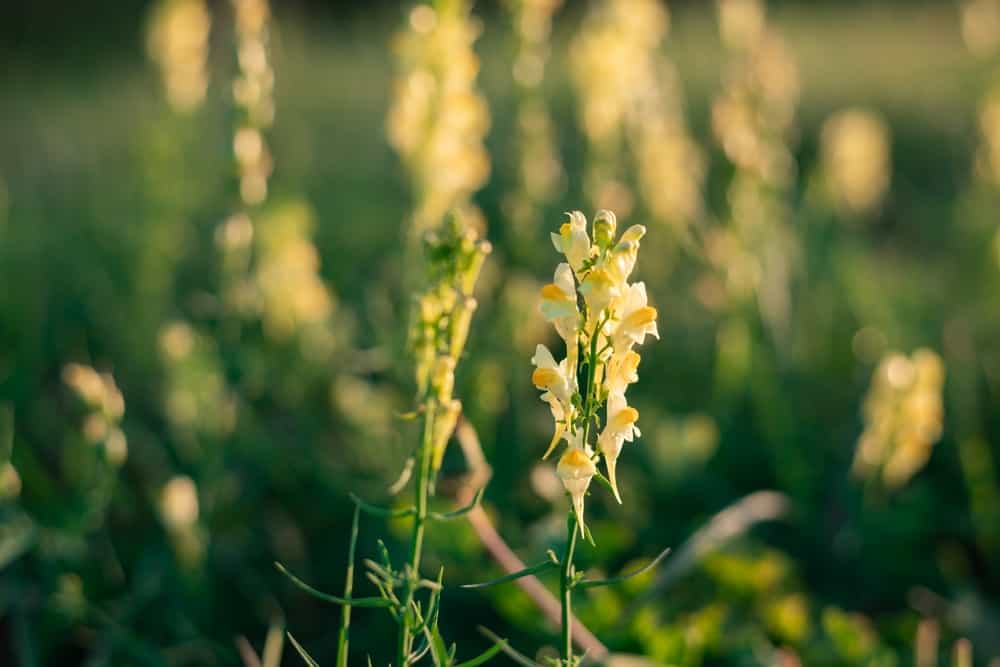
[575, 469]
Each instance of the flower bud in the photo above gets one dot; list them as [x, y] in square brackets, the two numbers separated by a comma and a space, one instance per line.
[461, 320]
[444, 426]
[605, 226]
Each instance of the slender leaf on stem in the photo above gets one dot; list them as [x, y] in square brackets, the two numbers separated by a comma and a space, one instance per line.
[509, 651]
[526, 572]
[357, 602]
[593, 583]
[604, 481]
[345, 619]
[302, 652]
[383, 512]
[439, 650]
[485, 655]
[462, 511]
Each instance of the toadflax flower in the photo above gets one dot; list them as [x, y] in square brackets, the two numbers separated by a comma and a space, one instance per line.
[576, 469]
[600, 317]
[559, 384]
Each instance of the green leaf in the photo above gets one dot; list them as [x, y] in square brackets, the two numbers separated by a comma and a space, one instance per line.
[485, 655]
[593, 583]
[383, 512]
[448, 516]
[302, 652]
[357, 602]
[526, 572]
[509, 651]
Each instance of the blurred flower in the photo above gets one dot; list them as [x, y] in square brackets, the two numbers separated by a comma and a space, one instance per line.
[753, 120]
[106, 407]
[438, 120]
[179, 503]
[855, 155]
[903, 415]
[177, 41]
[10, 482]
[981, 26]
[631, 101]
[540, 172]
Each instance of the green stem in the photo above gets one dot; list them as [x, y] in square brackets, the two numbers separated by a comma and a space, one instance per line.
[421, 491]
[591, 373]
[345, 619]
[566, 591]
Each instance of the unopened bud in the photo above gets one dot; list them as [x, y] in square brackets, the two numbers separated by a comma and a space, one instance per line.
[461, 320]
[605, 226]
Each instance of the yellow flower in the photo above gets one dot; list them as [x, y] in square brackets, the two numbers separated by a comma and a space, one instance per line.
[573, 242]
[621, 259]
[599, 288]
[575, 469]
[622, 370]
[620, 427]
[559, 383]
[637, 319]
[559, 304]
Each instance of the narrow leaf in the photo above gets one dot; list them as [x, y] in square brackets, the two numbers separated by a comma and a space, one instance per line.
[485, 655]
[509, 651]
[593, 583]
[357, 602]
[302, 652]
[383, 512]
[448, 516]
[526, 572]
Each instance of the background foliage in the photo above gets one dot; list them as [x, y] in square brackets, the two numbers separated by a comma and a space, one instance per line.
[109, 206]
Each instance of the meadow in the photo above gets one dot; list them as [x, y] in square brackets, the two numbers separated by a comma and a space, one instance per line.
[258, 263]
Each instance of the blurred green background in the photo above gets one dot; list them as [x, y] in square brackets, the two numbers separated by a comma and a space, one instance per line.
[110, 205]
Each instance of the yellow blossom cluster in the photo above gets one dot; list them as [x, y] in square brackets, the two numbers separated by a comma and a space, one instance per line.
[988, 154]
[198, 402]
[631, 97]
[981, 26]
[455, 254]
[178, 505]
[177, 41]
[105, 408]
[601, 317]
[753, 121]
[540, 172]
[438, 118]
[253, 92]
[854, 147]
[903, 415]
[291, 295]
